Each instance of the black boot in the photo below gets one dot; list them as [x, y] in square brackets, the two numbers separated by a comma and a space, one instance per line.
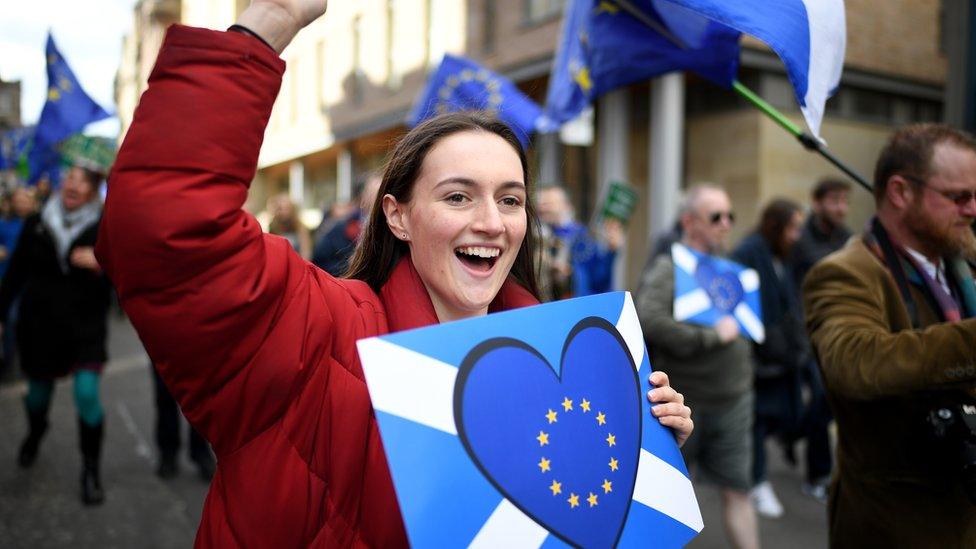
[37, 422]
[91, 450]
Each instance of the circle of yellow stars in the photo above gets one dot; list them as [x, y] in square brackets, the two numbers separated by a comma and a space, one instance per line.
[545, 465]
[492, 88]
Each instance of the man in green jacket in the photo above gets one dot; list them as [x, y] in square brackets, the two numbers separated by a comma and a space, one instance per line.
[891, 317]
[713, 363]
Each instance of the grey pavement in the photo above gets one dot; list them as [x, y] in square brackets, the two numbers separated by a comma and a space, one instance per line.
[40, 507]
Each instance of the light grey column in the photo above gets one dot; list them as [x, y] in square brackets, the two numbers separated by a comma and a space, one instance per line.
[344, 176]
[666, 151]
[613, 159]
[549, 161]
[296, 183]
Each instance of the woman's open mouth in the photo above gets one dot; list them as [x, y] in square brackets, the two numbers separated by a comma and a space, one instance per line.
[478, 258]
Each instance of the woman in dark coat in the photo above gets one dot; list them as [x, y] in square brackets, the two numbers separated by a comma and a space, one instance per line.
[780, 356]
[63, 311]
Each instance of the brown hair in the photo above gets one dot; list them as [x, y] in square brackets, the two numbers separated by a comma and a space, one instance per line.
[829, 185]
[379, 250]
[774, 220]
[909, 152]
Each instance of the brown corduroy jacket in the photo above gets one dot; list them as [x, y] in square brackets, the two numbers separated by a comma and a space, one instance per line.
[890, 488]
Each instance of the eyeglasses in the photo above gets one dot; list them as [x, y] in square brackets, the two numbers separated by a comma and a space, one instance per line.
[960, 198]
[716, 218]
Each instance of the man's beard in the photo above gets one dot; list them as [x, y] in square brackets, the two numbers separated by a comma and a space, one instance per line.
[942, 237]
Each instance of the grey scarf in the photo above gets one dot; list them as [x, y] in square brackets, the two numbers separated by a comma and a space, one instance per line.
[66, 226]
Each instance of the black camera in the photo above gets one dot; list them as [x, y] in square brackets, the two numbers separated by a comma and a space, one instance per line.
[954, 428]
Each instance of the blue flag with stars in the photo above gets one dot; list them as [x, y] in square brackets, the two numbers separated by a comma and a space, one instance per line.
[68, 110]
[707, 288]
[604, 47]
[13, 146]
[529, 428]
[460, 84]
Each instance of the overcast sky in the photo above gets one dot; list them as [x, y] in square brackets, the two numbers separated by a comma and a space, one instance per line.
[87, 32]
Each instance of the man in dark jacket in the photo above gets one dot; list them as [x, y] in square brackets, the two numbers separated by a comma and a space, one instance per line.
[333, 250]
[824, 233]
[892, 317]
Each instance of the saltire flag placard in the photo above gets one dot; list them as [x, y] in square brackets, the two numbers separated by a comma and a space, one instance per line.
[706, 288]
[529, 428]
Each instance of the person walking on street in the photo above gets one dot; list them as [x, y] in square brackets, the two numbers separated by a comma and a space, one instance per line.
[892, 318]
[63, 317]
[258, 345]
[711, 364]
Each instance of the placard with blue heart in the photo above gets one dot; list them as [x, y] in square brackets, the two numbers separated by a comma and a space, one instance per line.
[530, 428]
[707, 287]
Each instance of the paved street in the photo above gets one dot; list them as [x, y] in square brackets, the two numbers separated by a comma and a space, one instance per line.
[40, 508]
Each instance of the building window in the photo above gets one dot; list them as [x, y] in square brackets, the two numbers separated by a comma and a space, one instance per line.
[538, 11]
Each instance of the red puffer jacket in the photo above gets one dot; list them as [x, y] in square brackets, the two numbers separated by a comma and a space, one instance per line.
[257, 345]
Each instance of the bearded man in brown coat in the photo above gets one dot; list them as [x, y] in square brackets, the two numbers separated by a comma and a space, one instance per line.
[891, 317]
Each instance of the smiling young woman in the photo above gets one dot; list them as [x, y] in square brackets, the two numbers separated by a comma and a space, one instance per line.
[257, 344]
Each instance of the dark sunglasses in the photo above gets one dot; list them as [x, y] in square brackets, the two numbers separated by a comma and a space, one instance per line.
[716, 217]
[960, 198]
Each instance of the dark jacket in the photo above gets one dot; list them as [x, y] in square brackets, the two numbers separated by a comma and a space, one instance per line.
[256, 344]
[785, 348]
[62, 315]
[814, 245]
[334, 250]
[882, 378]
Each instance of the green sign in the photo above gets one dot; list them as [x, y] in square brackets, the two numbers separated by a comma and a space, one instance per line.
[620, 203]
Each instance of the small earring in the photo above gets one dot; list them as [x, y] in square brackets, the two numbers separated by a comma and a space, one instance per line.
[404, 236]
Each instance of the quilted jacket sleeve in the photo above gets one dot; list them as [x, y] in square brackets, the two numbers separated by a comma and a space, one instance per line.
[204, 287]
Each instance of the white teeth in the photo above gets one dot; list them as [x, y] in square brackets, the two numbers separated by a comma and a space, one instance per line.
[480, 251]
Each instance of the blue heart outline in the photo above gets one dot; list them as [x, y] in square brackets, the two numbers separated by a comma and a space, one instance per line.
[485, 347]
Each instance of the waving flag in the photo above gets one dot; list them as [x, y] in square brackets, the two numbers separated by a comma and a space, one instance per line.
[604, 47]
[68, 110]
[460, 84]
[529, 428]
[706, 288]
[810, 36]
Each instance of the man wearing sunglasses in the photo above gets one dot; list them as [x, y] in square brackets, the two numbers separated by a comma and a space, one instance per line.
[714, 365]
[891, 317]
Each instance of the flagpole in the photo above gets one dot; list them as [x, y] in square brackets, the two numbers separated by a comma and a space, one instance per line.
[808, 141]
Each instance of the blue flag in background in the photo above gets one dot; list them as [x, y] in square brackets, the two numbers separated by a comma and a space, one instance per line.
[603, 47]
[13, 145]
[68, 110]
[461, 84]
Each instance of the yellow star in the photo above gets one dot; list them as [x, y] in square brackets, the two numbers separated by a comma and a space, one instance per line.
[582, 79]
[613, 464]
[567, 404]
[573, 500]
[551, 416]
[607, 486]
[608, 7]
[585, 405]
[544, 465]
[543, 438]
[611, 440]
[556, 487]
[601, 419]
[591, 499]
[53, 94]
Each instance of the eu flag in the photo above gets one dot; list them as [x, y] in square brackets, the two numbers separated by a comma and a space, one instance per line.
[604, 47]
[460, 84]
[13, 145]
[68, 110]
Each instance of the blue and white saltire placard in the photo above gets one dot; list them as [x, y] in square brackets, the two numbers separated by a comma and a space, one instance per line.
[529, 429]
[706, 288]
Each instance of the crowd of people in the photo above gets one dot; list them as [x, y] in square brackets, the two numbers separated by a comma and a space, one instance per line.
[253, 335]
